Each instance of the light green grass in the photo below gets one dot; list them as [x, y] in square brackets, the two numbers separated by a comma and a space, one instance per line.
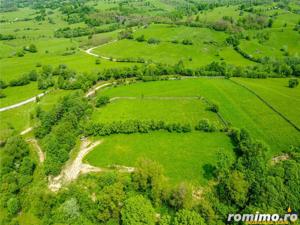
[276, 92]
[208, 46]
[175, 110]
[19, 119]
[183, 156]
[237, 105]
[17, 94]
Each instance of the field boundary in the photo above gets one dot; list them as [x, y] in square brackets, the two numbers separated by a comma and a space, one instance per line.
[267, 104]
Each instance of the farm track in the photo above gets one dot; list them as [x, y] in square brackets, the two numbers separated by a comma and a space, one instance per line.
[33, 99]
[267, 104]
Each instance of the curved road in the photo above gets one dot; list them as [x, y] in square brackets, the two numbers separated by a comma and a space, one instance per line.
[33, 99]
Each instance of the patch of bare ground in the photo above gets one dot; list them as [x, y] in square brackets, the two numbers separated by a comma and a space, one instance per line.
[39, 150]
[279, 158]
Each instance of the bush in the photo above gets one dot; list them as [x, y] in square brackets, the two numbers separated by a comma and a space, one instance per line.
[153, 41]
[13, 206]
[2, 95]
[293, 83]
[102, 100]
[187, 42]
[205, 125]
[140, 38]
[97, 61]
[214, 108]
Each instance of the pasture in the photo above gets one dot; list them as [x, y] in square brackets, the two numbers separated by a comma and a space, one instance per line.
[237, 105]
[185, 157]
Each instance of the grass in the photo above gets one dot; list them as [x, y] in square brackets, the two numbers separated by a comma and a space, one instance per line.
[17, 94]
[208, 46]
[237, 105]
[276, 92]
[19, 119]
[183, 156]
[176, 110]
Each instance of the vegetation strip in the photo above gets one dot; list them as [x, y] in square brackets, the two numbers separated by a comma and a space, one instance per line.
[267, 104]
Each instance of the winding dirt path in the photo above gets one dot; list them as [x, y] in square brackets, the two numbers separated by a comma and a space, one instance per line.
[39, 150]
[89, 51]
[75, 167]
[33, 99]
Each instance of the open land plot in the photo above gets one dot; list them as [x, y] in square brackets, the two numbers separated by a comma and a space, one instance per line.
[237, 105]
[277, 93]
[184, 156]
[189, 111]
[208, 46]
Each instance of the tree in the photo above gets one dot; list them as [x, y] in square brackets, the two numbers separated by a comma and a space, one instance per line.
[293, 83]
[148, 177]
[137, 211]
[13, 206]
[186, 217]
[97, 61]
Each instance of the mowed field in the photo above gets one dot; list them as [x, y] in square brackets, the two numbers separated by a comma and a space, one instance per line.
[184, 157]
[237, 105]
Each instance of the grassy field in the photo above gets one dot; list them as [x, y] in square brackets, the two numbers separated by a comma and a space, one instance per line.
[19, 119]
[175, 110]
[183, 156]
[237, 105]
[276, 92]
[18, 94]
[208, 46]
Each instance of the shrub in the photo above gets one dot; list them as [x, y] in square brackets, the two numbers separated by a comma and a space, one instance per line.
[153, 41]
[2, 95]
[97, 61]
[187, 42]
[293, 83]
[102, 100]
[214, 108]
[205, 125]
[140, 38]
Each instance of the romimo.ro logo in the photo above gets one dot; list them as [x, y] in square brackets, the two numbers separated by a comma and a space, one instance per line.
[260, 218]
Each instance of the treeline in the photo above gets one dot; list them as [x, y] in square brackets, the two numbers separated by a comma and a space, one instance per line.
[140, 126]
[59, 129]
[5, 37]
[68, 32]
[16, 174]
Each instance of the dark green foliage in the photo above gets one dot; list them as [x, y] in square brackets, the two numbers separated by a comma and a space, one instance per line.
[187, 42]
[214, 108]
[205, 125]
[2, 95]
[59, 130]
[13, 206]
[102, 101]
[97, 61]
[5, 37]
[149, 178]
[133, 126]
[153, 41]
[293, 83]
[31, 48]
[140, 38]
[233, 40]
[138, 210]
[186, 217]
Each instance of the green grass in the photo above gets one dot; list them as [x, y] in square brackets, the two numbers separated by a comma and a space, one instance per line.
[19, 119]
[208, 46]
[277, 93]
[17, 94]
[175, 110]
[183, 156]
[237, 105]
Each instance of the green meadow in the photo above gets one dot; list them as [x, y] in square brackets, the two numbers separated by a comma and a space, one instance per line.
[237, 105]
[185, 157]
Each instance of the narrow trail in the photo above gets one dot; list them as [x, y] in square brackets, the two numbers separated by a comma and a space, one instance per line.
[26, 131]
[39, 151]
[33, 99]
[267, 104]
[94, 89]
[74, 167]
[89, 51]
